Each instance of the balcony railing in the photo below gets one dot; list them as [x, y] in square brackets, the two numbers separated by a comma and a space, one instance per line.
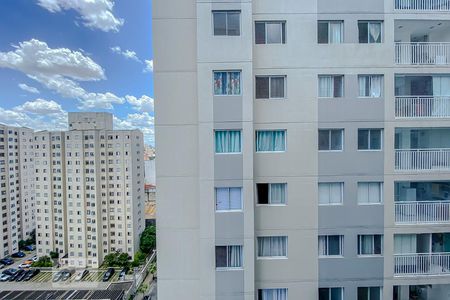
[422, 107]
[422, 264]
[422, 159]
[434, 5]
[422, 53]
[422, 212]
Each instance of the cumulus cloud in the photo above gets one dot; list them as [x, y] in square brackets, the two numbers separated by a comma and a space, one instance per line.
[143, 104]
[28, 88]
[148, 66]
[95, 14]
[100, 101]
[143, 121]
[40, 107]
[128, 54]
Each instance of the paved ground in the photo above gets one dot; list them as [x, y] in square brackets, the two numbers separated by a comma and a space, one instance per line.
[18, 261]
[153, 291]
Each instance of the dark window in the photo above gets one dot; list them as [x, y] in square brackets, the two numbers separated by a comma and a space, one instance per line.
[270, 32]
[370, 32]
[263, 193]
[221, 256]
[227, 23]
[369, 139]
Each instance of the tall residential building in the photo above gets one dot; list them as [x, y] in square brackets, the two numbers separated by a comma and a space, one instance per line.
[89, 190]
[16, 187]
[310, 142]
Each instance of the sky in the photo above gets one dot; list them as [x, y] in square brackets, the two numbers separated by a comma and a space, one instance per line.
[59, 56]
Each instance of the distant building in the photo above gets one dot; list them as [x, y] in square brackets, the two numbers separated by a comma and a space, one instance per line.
[150, 204]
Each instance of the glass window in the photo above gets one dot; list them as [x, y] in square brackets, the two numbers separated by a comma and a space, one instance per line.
[228, 141]
[272, 246]
[270, 140]
[270, 87]
[227, 83]
[369, 139]
[330, 32]
[227, 22]
[228, 257]
[228, 199]
[331, 139]
[331, 193]
[370, 192]
[271, 193]
[370, 32]
[331, 293]
[370, 293]
[370, 86]
[270, 32]
[272, 294]
[331, 245]
[331, 86]
[370, 244]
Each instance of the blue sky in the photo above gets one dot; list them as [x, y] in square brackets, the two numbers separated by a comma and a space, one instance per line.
[58, 56]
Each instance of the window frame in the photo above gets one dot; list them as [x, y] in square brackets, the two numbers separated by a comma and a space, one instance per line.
[329, 291]
[227, 71]
[368, 291]
[381, 186]
[329, 22]
[373, 254]
[229, 195]
[260, 291]
[226, 249]
[228, 153]
[341, 183]
[271, 130]
[269, 196]
[270, 77]
[370, 85]
[329, 139]
[332, 76]
[272, 256]
[283, 25]
[368, 139]
[341, 246]
[213, 12]
[369, 22]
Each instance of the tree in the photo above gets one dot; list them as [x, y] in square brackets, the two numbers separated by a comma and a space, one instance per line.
[123, 260]
[110, 259]
[43, 262]
[54, 254]
[148, 239]
[139, 259]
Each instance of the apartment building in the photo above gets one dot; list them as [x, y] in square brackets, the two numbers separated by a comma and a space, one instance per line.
[89, 190]
[315, 137]
[16, 187]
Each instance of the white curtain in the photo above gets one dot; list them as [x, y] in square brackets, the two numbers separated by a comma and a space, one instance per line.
[441, 90]
[270, 140]
[376, 86]
[274, 294]
[234, 256]
[272, 246]
[405, 244]
[335, 32]
[330, 193]
[277, 193]
[222, 196]
[277, 87]
[325, 86]
[235, 198]
[322, 245]
[366, 244]
[369, 192]
[374, 32]
[274, 33]
[362, 86]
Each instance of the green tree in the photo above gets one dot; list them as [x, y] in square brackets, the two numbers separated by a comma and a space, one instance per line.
[44, 261]
[111, 259]
[148, 239]
[123, 260]
[54, 254]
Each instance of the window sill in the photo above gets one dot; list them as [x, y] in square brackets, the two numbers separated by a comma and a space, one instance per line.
[368, 98]
[371, 204]
[229, 211]
[229, 269]
[331, 151]
[332, 204]
[284, 151]
[272, 258]
[232, 95]
[274, 99]
[275, 205]
[329, 98]
[228, 153]
[369, 255]
[370, 150]
[331, 256]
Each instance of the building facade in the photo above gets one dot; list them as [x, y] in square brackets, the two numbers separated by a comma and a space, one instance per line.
[16, 187]
[315, 158]
[89, 190]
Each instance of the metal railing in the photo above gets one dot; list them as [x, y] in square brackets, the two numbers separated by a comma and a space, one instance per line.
[422, 264]
[422, 212]
[433, 5]
[422, 53]
[422, 159]
[422, 107]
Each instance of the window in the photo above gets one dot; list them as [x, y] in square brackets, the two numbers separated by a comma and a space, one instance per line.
[369, 293]
[370, 32]
[370, 192]
[370, 86]
[330, 32]
[370, 244]
[228, 199]
[228, 141]
[272, 294]
[331, 193]
[331, 293]
[331, 245]
[271, 193]
[331, 139]
[270, 32]
[227, 22]
[369, 139]
[272, 246]
[227, 83]
[270, 87]
[271, 141]
[228, 257]
[331, 86]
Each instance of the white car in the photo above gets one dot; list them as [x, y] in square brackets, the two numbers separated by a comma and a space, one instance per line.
[24, 266]
[81, 274]
[4, 277]
[34, 258]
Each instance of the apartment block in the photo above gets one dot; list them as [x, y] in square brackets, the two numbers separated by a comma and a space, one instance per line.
[89, 190]
[310, 139]
[16, 187]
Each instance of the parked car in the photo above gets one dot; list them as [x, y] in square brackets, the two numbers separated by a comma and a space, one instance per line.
[81, 274]
[2, 266]
[29, 248]
[123, 273]
[57, 277]
[109, 273]
[31, 274]
[22, 276]
[6, 261]
[4, 277]
[66, 274]
[19, 254]
[24, 266]
[10, 271]
[15, 276]
[34, 258]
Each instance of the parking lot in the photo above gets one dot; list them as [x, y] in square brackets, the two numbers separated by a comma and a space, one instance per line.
[92, 276]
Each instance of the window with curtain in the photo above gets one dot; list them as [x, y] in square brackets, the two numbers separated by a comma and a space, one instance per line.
[370, 32]
[272, 294]
[272, 246]
[370, 293]
[331, 245]
[330, 32]
[336, 293]
[270, 140]
[369, 139]
[227, 22]
[228, 141]
[270, 32]
[370, 192]
[331, 86]
[331, 139]
[370, 86]
[331, 193]
[271, 193]
[370, 244]
[270, 87]
[227, 83]
[405, 243]
[229, 257]
[228, 198]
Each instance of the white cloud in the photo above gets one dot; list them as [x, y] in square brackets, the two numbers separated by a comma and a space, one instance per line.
[148, 66]
[97, 14]
[143, 104]
[128, 54]
[100, 101]
[28, 88]
[40, 107]
[143, 121]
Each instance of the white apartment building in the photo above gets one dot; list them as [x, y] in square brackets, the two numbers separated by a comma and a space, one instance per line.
[16, 187]
[89, 190]
[311, 142]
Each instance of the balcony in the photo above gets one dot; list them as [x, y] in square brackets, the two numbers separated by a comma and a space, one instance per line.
[422, 107]
[422, 264]
[421, 292]
[422, 212]
[422, 5]
[422, 53]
